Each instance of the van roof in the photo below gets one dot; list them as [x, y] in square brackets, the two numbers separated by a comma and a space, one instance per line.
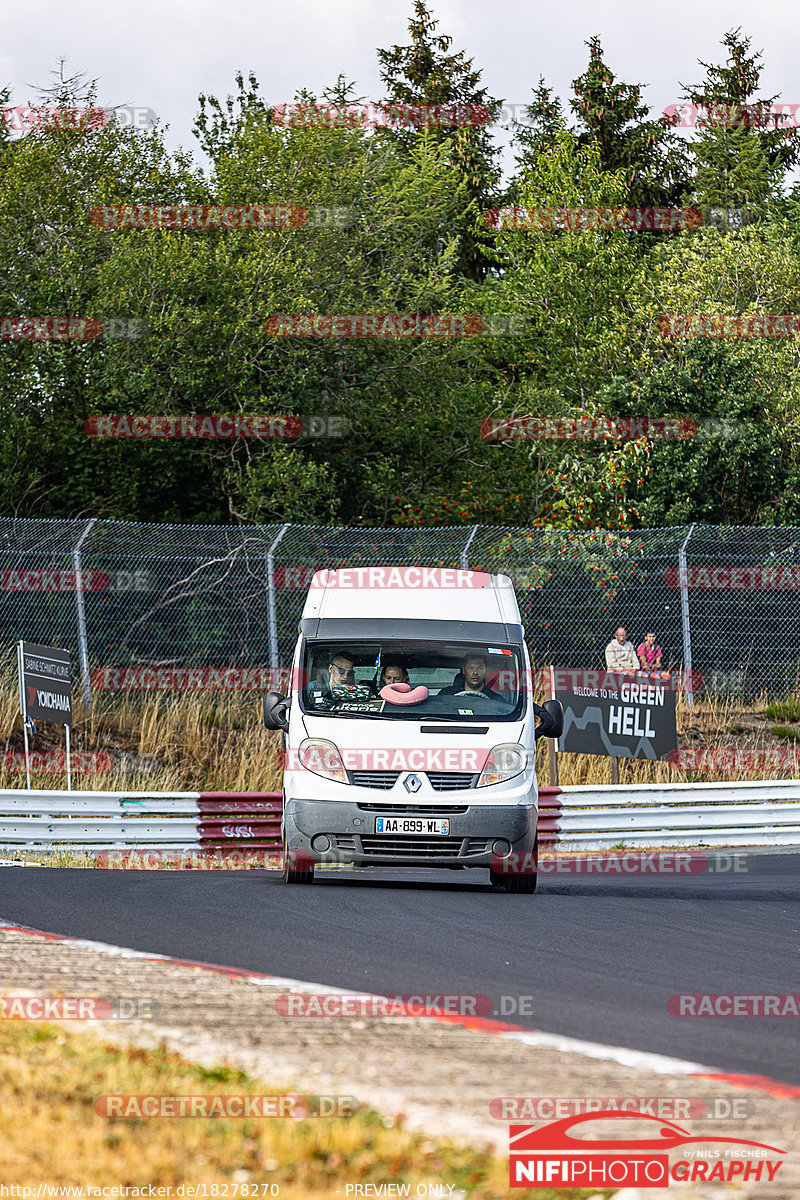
[408, 594]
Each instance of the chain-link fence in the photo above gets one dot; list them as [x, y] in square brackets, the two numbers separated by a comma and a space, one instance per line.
[205, 606]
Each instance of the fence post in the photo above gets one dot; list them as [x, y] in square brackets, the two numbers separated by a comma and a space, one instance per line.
[83, 648]
[465, 551]
[687, 635]
[272, 615]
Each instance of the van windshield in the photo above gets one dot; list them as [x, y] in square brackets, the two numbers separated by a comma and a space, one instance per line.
[406, 680]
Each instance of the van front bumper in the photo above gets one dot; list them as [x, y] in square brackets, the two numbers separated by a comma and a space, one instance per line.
[480, 834]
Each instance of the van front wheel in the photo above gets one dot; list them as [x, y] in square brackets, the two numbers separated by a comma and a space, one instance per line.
[298, 866]
[290, 876]
[521, 884]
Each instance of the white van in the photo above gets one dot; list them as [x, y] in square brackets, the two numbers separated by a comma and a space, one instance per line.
[410, 728]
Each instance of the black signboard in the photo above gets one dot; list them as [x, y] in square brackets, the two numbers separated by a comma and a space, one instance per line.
[622, 716]
[44, 683]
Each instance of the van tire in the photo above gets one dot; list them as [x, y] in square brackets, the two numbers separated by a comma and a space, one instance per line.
[519, 885]
[290, 876]
[298, 866]
[522, 885]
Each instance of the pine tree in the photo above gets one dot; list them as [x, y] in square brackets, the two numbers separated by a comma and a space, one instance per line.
[614, 118]
[611, 116]
[741, 154]
[422, 75]
[544, 120]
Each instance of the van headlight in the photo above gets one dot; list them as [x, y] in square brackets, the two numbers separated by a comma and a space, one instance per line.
[322, 757]
[503, 762]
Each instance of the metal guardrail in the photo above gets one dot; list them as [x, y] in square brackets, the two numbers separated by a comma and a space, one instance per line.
[43, 820]
[763, 813]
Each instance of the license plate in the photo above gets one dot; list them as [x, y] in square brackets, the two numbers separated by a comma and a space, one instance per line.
[412, 825]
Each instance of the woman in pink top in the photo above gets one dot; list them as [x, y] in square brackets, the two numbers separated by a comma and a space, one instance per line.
[649, 653]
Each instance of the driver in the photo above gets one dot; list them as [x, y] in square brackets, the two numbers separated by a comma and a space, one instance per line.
[474, 667]
[340, 673]
[341, 669]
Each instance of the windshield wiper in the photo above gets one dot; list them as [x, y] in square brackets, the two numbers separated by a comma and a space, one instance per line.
[425, 716]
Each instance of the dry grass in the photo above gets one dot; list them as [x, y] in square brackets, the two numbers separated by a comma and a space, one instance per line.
[51, 1077]
[216, 742]
[158, 742]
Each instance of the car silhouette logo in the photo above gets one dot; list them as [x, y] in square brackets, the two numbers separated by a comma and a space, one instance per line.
[412, 783]
[556, 1137]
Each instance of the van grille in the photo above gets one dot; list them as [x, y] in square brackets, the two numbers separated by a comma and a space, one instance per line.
[411, 847]
[381, 846]
[451, 781]
[375, 779]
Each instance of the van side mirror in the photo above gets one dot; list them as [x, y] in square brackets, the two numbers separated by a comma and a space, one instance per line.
[275, 706]
[551, 718]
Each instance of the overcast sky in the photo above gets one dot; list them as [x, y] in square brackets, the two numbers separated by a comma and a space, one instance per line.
[160, 54]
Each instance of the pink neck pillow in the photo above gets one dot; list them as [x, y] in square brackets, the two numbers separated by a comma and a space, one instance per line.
[402, 693]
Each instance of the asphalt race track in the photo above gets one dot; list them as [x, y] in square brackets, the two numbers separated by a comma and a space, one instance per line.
[599, 956]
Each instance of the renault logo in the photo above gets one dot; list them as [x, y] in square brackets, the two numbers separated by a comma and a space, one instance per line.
[412, 783]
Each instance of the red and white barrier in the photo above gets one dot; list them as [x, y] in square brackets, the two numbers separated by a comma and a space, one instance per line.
[597, 817]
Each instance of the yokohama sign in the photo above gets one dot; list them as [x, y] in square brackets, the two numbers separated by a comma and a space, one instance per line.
[44, 683]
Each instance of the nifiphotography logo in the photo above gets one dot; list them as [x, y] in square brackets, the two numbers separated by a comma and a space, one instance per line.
[553, 1155]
